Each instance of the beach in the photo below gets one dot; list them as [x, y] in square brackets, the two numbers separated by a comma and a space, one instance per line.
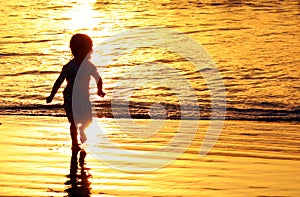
[247, 160]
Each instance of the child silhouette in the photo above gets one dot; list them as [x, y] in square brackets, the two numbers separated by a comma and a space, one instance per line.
[81, 47]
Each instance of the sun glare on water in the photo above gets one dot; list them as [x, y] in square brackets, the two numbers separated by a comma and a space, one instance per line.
[82, 17]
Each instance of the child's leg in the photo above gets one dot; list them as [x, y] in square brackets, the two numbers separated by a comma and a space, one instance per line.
[83, 137]
[85, 123]
[74, 134]
[73, 128]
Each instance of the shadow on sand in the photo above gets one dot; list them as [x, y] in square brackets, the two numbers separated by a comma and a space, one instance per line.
[78, 183]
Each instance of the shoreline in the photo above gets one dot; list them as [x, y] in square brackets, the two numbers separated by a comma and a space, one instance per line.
[262, 120]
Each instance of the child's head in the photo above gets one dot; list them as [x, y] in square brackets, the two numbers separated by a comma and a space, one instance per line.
[81, 45]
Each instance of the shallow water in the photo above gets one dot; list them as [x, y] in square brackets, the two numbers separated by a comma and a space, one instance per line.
[249, 159]
[255, 45]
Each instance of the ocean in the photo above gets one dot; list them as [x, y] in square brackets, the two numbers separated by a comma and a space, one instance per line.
[254, 44]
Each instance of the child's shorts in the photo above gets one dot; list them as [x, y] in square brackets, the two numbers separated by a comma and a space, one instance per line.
[84, 117]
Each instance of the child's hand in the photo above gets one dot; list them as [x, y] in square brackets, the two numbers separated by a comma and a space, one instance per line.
[100, 93]
[49, 99]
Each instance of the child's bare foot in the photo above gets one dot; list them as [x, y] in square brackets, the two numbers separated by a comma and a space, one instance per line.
[82, 155]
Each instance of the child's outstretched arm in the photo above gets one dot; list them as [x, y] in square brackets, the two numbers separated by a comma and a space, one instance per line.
[98, 79]
[99, 85]
[55, 88]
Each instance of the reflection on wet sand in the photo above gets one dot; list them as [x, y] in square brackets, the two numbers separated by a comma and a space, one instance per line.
[78, 183]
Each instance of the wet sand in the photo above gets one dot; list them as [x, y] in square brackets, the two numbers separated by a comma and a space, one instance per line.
[249, 159]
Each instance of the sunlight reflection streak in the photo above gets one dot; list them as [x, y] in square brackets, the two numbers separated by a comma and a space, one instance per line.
[83, 17]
